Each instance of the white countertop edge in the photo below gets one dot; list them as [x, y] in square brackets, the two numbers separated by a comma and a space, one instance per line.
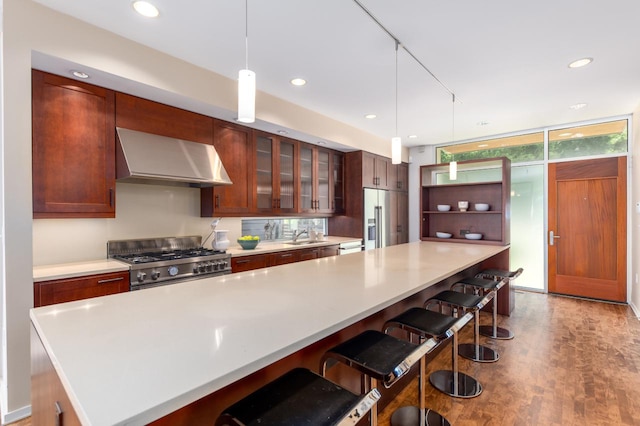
[199, 392]
[77, 269]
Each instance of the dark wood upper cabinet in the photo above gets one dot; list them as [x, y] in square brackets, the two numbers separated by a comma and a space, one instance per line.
[152, 117]
[338, 187]
[376, 171]
[73, 141]
[276, 169]
[235, 146]
[400, 174]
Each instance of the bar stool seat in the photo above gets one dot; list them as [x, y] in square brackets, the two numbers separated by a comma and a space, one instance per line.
[379, 357]
[425, 324]
[501, 277]
[468, 302]
[296, 398]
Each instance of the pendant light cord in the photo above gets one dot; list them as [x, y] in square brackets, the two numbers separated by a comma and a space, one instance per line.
[453, 117]
[396, 87]
[246, 34]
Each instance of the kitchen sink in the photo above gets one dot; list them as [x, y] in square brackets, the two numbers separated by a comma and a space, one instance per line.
[300, 243]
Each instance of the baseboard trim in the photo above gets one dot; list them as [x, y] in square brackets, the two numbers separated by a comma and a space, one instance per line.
[635, 310]
[16, 415]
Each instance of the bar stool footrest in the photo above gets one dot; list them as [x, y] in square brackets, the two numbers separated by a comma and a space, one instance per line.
[467, 386]
[501, 333]
[410, 416]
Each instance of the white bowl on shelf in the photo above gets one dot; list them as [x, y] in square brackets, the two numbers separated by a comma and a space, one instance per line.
[473, 236]
[444, 207]
[443, 235]
[481, 207]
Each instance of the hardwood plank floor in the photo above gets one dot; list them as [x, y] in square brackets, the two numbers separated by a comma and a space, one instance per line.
[572, 362]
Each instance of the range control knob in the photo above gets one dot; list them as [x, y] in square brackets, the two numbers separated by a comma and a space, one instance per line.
[155, 275]
[201, 267]
[141, 276]
[209, 266]
[173, 271]
[195, 268]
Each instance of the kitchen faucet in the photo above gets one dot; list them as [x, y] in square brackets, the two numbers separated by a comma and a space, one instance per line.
[296, 234]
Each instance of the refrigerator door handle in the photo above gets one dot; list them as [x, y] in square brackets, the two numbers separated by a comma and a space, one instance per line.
[378, 226]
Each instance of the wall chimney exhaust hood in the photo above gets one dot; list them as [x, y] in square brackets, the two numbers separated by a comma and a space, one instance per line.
[147, 158]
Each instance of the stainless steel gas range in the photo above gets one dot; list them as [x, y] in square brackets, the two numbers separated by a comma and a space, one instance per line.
[160, 261]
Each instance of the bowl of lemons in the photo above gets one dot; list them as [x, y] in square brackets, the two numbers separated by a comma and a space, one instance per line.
[248, 242]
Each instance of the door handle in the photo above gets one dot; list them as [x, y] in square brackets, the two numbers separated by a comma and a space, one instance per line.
[552, 237]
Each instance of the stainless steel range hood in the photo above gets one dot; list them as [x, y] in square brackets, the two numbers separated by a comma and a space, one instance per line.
[147, 158]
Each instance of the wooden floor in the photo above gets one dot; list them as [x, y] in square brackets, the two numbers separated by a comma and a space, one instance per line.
[572, 362]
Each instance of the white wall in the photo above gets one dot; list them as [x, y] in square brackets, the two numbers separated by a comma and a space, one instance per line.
[418, 156]
[29, 30]
[634, 232]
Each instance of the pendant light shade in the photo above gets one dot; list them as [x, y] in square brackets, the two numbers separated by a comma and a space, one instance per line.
[453, 170]
[246, 96]
[396, 150]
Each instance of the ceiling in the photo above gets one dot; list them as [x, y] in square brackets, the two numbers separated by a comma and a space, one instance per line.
[506, 62]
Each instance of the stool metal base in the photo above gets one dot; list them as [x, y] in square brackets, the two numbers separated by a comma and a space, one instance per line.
[501, 333]
[482, 354]
[467, 386]
[410, 416]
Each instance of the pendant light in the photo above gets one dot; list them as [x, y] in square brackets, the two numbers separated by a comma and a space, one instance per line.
[453, 166]
[246, 80]
[396, 142]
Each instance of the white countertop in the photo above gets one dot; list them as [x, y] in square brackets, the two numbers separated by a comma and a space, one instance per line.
[77, 269]
[269, 247]
[131, 358]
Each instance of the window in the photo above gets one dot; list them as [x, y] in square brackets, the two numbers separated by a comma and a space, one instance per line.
[518, 149]
[593, 139]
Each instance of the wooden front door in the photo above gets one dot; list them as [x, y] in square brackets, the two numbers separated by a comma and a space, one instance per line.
[587, 228]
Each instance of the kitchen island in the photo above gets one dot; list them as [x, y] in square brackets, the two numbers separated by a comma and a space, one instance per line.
[179, 354]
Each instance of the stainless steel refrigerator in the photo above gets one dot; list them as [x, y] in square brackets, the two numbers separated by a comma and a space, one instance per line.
[376, 218]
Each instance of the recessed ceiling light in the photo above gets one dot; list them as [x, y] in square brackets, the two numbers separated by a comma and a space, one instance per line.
[580, 62]
[298, 81]
[145, 8]
[79, 74]
[283, 132]
[482, 123]
[413, 136]
[564, 135]
[322, 143]
[483, 145]
[578, 106]
[370, 116]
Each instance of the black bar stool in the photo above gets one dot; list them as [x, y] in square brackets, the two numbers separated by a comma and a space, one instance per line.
[379, 357]
[503, 277]
[460, 385]
[296, 398]
[425, 324]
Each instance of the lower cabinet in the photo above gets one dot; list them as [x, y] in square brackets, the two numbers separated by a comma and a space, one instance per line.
[257, 261]
[70, 289]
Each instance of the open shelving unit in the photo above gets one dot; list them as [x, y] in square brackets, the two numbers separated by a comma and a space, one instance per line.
[479, 181]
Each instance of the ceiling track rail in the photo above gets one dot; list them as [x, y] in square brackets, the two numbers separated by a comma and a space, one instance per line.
[405, 48]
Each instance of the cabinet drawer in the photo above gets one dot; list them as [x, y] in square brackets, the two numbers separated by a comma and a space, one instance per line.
[282, 258]
[67, 290]
[248, 263]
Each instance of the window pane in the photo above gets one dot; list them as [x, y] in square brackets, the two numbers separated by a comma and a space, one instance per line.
[594, 139]
[527, 225]
[518, 149]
